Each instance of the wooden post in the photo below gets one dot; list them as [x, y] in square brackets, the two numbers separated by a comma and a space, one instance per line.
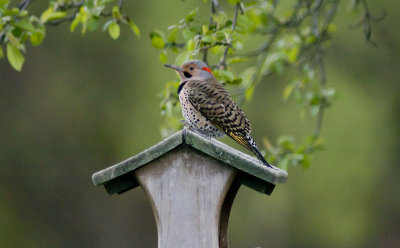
[186, 191]
[191, 183]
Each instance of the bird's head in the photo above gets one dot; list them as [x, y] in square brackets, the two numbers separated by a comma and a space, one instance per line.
[192, 70]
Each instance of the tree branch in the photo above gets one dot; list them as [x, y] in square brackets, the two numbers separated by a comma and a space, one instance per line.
[216, 5]
[216, 44]
[213, 10]
[322, 105]
[322, 72]
[24, 4]
[65, 19]
[222, 63]
[366, 21]
[75, 6]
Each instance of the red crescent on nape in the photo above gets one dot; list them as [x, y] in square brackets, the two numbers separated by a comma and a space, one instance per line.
[207, 69]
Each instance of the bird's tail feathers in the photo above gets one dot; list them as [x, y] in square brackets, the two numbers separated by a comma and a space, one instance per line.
[249, 143]
[260, 156]
[254, 149]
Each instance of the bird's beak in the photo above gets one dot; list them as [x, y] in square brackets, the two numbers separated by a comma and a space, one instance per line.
[176, 68]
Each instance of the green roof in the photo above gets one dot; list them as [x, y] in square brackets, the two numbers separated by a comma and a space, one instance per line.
[119, 178]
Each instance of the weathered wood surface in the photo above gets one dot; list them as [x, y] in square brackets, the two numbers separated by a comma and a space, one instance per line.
[187, 190]
[191, 182]
[118, 178]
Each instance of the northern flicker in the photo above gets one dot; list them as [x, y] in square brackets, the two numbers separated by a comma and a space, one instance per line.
[209, 109]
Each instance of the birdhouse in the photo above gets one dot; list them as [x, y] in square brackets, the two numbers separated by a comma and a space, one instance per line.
[191, 183]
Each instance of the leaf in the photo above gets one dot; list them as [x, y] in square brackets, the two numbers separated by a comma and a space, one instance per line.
[190, 45]
[4, 3]
[37, 38]
[328, 93]
[308, 72]
[205, 29]
[277, 67]
[190, 16]
[292, 56]
[114, 30]
[286, 142]
[249, 92]
[332, 28]
[314, 98]
[22, 13]
[134, 28]
[157, 41]
[267, 143]
[1, 53]
[235, 81]
[318, 144]
[14, 11]
[93, 23]
[217, 50]
[207, 38]
[14, 40]
[187, 34]
[287, 91]
[235, 60]
[295, 158]
[314, 110]
[172, 35]
[284, 163]
[105, 26]
[81, 17]
[233, 2]
[15, 57]
[115, 12]
[306, 161]
[163, 56]
[310, 39]
[220, 35]
[75, 23]
[224, 75]
[50, 15]
[238, 45]
[25, 25]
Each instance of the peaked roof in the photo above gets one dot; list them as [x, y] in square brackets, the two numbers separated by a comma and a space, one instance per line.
[119, 178]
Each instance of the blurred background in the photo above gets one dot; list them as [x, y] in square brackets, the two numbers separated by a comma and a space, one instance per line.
[83, 103]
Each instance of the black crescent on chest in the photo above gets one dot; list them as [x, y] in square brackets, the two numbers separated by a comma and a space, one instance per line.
[180, 87]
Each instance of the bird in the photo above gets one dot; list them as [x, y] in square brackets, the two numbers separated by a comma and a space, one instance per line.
[209, 109]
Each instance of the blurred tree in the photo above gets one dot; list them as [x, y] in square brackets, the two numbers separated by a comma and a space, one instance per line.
[291, 37]
[286, 37]
[84, 102]
[17, 25]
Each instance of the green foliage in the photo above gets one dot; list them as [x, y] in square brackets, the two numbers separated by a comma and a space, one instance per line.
[157, 40]
[296, 39]
[290, 40]
[113, 30]
[17, 25]
[15, 57]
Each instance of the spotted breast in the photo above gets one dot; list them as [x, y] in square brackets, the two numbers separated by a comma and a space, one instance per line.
[194, 118]
[208, 108]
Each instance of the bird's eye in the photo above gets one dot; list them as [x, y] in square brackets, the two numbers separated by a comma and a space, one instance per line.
[191, 68]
